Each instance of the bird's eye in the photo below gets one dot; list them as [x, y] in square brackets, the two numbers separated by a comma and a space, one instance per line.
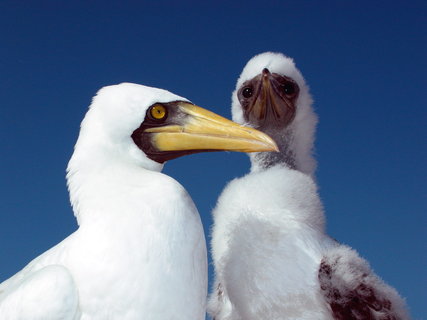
[289, 88]
[247, 92]
[158, 112]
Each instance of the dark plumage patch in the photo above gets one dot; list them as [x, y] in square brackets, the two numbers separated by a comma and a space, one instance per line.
[352, 302]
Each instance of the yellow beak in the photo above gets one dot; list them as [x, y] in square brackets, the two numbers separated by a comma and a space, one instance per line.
[205, 130]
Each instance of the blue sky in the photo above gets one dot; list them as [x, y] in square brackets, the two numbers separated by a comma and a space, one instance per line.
[365, 63]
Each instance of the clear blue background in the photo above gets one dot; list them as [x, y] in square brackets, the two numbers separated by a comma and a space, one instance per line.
[365, 62]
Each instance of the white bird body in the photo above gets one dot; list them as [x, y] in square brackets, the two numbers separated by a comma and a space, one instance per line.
[272, 257]
[257, 242]
[138, 269]
[267, 257]
[140, 248]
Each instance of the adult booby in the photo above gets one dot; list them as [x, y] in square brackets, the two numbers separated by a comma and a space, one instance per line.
[139, 251]
[272, 257]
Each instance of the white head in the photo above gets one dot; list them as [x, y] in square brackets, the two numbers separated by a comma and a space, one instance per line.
[271, 95]
[116, 111]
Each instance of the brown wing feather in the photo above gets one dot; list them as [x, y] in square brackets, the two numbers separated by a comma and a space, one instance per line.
[354, 292]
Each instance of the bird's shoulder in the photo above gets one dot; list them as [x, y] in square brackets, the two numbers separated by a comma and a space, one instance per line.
[353, 291]
[172, 192]
[53, 256]
[277, 193]
[166, 184]
[48, 293]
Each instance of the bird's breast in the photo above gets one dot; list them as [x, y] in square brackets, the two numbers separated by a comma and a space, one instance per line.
[143, 246]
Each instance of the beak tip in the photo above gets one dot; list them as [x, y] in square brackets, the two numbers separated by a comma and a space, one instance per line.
[273, 148]
[273, 145]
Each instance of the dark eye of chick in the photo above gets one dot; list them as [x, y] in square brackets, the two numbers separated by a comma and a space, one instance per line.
[288, 88]
[247, 92]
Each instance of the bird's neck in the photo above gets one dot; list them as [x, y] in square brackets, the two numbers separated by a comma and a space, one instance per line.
[101, 188]
[286, 156]
[264, 160]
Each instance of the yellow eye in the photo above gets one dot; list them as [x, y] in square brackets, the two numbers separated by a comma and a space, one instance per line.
[158, 111]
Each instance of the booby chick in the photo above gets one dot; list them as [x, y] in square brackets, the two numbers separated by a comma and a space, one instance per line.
[272, 257]
[139, 251]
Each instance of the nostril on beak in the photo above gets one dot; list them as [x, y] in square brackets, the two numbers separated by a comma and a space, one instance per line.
[265, 72]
